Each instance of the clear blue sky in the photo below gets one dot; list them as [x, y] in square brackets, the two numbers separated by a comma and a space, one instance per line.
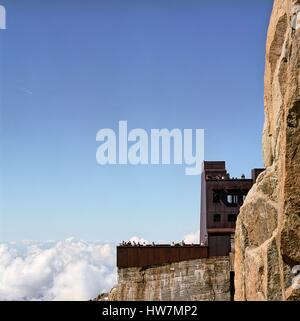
[70, 68]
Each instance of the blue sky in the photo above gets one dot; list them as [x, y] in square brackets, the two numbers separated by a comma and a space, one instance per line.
[70, 68]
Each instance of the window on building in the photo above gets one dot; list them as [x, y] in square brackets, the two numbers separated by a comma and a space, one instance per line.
[216, 196]
[231, 217]
[217, 218]
[244, 197]
[232, 198]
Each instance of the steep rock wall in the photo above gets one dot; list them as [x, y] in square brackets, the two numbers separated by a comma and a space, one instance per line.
[202, 279]
[267, 241]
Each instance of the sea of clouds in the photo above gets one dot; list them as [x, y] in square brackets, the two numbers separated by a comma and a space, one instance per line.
[66, 270]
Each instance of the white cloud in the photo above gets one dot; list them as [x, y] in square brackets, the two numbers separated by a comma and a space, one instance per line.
[192, 238]
[138, 239]
[66, 270]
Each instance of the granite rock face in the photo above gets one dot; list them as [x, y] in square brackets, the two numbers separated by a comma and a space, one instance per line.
[267, 240]
[202, 279]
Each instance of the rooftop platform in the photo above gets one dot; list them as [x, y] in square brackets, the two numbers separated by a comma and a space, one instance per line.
[151, 255]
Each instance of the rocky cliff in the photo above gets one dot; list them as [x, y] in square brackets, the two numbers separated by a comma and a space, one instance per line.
[202, 279]
[267, 242]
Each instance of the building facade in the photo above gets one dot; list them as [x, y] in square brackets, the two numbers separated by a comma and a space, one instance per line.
[221, 199]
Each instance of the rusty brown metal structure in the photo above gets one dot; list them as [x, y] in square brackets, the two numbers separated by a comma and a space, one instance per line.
[221, 199]
[141, 256]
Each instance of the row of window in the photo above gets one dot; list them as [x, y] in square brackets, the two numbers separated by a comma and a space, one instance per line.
[230, 218]
[231, 198]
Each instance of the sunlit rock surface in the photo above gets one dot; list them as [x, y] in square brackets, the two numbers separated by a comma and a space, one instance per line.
[267, 242]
